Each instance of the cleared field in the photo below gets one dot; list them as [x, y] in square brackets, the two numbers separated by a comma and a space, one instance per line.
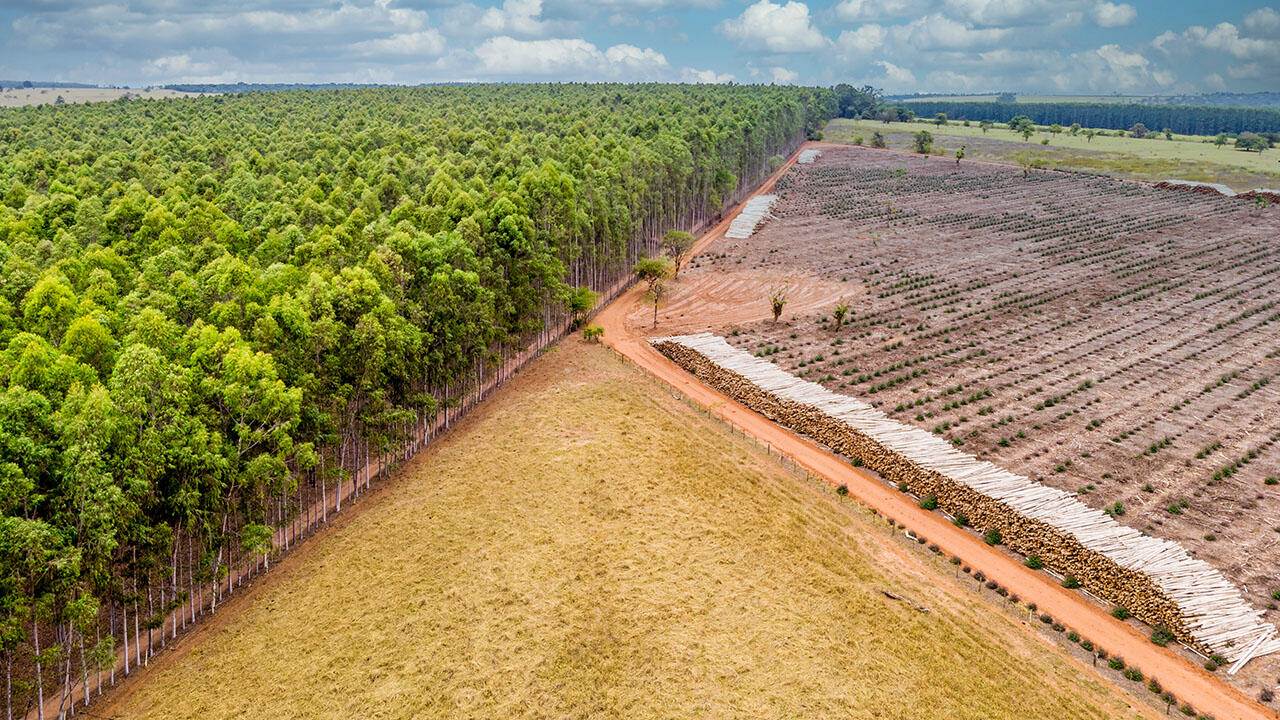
[1186, 157]
[1107, 338]
[586, 545]
[18, 97]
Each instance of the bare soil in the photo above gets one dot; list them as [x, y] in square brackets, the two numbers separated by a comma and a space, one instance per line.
[18, 97]
[1102, 336]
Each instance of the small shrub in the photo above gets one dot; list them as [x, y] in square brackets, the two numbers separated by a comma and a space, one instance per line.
[1121, 613]
[842, 490]
[1046, 618]
[992, 584]
[929, 502]
[1187, 710]
[1154, 686]
[980, 576]
[1133, 674]
[1266, 695]
[992, 537]
[1160, 635]
[1210, 665]
[1087, 645]
[955, 560]
[1058, 627]
[1073, 636]
[1115, 663]
[1070, 582]
[1034, 562]
[902, 487]
[961, 520]
[966, 569]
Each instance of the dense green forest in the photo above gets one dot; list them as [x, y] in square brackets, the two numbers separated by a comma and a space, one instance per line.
[1183, 119]
[215, 312]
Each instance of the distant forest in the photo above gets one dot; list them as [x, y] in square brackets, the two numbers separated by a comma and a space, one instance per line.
[1183, 119]
[214, 313]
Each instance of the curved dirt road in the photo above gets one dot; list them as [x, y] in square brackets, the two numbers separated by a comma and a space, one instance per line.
[1191, 684]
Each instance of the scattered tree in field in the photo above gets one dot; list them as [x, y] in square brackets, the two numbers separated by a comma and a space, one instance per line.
[1090, 134]
[940, 119]
[877, 140]
[1138, 130]
[1168, 134]
[1055, 129]
[1027, 131]
[778, 300]
[592, 333]
[1221, 139]
[653, 272]
[960, 154]
[985, 125]
[1074, 130]
[840, 312]
[922, 142]
[1252, 141]
[581, 300]
[676, 244]
[1022, 125]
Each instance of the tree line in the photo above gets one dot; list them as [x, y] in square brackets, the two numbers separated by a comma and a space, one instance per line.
[1182, 119]
[216, 313]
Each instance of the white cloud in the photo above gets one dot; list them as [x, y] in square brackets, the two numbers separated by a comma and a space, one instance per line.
[1109, 15]
[897, 77]
[1005, 12]
[520, 17]
[634, 58]
[853, 11]
[939, 32]
[693, 75]
[783, 76]
[771, 27]
[422, 43]
[863, 40]
[507, 56]
[1263, 22]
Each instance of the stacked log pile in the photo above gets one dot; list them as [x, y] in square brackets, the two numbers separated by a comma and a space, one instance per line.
[1154, 579]
[808, 156]
[753, 213]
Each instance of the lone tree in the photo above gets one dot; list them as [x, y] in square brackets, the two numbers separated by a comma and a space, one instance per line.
[1074, 129]
[985, 125]
[960, 154]
[778, 300]
[1221, 139]
[1139, 130]
[922, 142]
[877, 140]
[840, 312]
[676, 244]
[581, 300]
[1252, 141]
[1090, 134]
[940, 119]
[654, 273]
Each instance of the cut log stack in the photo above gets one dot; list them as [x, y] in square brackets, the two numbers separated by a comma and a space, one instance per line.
[1154, 579]
[753, 213]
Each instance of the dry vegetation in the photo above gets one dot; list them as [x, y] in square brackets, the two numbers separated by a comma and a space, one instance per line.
[1108, 338]
[586, 545]
[19, 97]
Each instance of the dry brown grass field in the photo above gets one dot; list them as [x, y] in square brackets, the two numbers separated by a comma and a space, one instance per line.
[18, 97]
[586, 545]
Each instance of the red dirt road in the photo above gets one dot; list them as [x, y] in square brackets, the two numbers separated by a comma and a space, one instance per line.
[1191, 684]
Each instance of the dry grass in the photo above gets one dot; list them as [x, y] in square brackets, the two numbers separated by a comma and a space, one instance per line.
[587, 546]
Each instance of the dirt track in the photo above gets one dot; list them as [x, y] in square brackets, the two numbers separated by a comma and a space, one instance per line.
[1191, 684]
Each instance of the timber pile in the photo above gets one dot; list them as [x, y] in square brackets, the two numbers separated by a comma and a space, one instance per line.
[756, 209]
[1154, 579]
[1203, 188]
[808, 156]
[1271, 195]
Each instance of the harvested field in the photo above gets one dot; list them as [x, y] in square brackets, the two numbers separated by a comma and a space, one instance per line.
[1107, 338]
[19, 97]
[586, 545]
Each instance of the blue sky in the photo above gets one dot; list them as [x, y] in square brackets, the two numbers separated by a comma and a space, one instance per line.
[1051, 46]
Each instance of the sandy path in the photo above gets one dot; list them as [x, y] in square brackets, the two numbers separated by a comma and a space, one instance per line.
[1189, 683]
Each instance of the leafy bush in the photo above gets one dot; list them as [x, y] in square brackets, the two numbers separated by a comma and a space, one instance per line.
[1121, 613]
[929, 502]
[1034, 562]
[992, 537]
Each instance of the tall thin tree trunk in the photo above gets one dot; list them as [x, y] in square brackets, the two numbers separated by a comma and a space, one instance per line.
[35, 636]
